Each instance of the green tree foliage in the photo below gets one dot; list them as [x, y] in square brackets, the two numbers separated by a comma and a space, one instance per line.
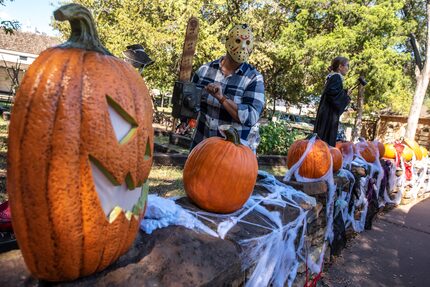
[277, 137]
[295, 41]
[370, 35]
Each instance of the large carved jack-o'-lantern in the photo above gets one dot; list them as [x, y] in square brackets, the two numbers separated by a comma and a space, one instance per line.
[80, 151]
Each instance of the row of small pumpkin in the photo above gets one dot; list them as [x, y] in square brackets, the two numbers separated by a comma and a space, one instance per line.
[410, 149]
[219, 175]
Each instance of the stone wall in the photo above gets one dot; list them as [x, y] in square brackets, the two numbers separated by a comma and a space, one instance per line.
[390, 128]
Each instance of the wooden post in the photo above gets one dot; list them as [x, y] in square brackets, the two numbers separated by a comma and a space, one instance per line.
[359, 118]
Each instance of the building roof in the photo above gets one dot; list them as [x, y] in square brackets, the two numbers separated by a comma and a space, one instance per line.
[27, 42]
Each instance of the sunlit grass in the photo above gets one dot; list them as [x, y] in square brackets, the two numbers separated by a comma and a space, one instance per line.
[166, 181]
[275, 170]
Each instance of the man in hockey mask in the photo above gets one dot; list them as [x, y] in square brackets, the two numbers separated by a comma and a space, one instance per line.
[233, 89]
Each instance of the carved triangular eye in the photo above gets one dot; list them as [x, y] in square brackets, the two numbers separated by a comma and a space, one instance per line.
[123, 124]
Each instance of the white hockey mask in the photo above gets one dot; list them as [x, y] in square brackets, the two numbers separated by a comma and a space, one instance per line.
[240, 42]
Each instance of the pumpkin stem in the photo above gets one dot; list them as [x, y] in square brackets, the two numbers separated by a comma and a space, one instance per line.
[230, 134]
[84, 34]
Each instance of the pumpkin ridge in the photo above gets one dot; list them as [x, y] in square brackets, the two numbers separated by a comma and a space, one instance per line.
[20, 219]
[195, 171]
[122, 235]
[93, 227]
[112, 243]
[228, 150]
[66, 159]
[133, 225]
[124, 74]
[200, 172]
[218, 170]
[32, 242]
[245, 161]
[34, 84]
[198, 157]
[80, 150]
[57, 254]
[102, 252]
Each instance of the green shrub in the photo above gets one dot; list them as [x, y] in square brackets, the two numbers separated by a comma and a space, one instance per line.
[277, 137]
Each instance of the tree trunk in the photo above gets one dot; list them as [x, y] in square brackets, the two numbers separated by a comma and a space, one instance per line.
[422, 84]
[417, 103]
[359, 118]
[274, 107]
[271, 114]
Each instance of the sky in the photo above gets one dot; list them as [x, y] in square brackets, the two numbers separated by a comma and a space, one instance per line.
[33, 15]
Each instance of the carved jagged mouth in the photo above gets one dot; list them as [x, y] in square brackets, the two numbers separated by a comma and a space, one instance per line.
[117, 198]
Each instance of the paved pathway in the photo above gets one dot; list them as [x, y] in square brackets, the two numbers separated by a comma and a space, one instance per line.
[396, 252]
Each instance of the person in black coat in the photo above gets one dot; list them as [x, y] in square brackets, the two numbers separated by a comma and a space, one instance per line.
[333, 103]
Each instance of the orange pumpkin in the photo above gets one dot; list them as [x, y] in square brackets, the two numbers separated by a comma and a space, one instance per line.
[317, 162]
[390, 151]
[381, 148]
[415, 148]
[336, 155]
[80, 151]
[407, 153]
[220, 174]
[346, 148]
[424, 151]
[366, 149]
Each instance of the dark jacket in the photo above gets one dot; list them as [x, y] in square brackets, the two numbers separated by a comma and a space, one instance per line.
[333, 102]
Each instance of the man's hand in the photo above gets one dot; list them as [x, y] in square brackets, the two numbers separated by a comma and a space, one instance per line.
[215, 90]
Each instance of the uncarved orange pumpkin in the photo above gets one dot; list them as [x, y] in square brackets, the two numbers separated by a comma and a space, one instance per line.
[407, 153]
[317, 161]
[390, 151]
[220, 174]
[65, 142]
[415, 148]
[337, 158]
[366, 149]
[346, 148]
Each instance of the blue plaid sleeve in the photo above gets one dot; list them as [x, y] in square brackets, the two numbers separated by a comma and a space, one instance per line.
[195, 78]
[252, 104]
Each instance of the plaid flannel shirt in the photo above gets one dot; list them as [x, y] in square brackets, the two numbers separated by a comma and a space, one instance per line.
[245, 87]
